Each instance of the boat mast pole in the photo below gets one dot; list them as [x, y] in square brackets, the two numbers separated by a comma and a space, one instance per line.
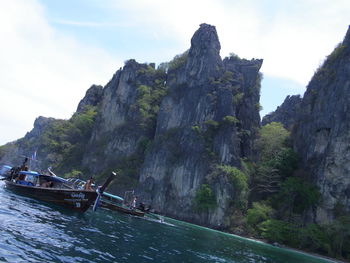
[101, 189]
[108, 181]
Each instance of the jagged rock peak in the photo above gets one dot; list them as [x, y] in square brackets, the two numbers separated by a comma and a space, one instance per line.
[347, 38]
[206, 39]
[131, 64]
[42, 121]
[92, 97]
[40, 124]
[204, 55]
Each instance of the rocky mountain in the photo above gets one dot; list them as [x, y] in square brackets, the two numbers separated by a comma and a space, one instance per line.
[92, 97]
[286, 114]
[167, 128]
[169, 131]
[208, 117]
[125, 123]
[187, 137]
[321, 134]
[320, 122]
[12, 152]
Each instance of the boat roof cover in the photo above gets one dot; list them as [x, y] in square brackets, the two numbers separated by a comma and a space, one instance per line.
[48, 177]
[29, 173]
[4, 169]
[113, 196]
[54, 178]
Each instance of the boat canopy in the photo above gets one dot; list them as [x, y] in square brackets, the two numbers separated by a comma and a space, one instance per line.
[58, 179]
[54, 178]
[47, 177]
[113, 196]
[4, 169]
[29, 173]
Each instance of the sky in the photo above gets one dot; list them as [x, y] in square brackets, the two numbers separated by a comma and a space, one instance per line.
[52, 51]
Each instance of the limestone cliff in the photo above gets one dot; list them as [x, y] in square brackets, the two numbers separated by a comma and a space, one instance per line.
[165, 130]
[12, 153]
[287, 113]
[92, 97]
[321, 134]
[183, 135]
[125, 123]
[208, 117]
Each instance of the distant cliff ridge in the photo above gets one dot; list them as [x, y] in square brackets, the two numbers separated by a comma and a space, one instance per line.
[286, 114]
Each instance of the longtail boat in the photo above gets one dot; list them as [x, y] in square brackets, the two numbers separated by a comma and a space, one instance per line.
[116, 203]
[52, 189]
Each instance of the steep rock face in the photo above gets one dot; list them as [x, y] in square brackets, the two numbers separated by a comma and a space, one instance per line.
[204, 56]
[246, 84]
[286, 114]
[322, 134]
[126, 118]
[204, 120]
[92, 97]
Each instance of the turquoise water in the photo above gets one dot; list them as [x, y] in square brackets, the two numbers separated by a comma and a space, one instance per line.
[31, 231]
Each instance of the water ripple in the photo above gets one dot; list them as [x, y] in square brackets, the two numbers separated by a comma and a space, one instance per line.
[32, 231]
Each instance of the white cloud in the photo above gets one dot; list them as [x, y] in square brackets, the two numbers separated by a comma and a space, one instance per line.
[42, 71]
[89, 24]
[293, 37]
[46, 72]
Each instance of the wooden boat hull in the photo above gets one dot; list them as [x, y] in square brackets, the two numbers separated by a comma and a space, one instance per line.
[74, 199]
[121, 208]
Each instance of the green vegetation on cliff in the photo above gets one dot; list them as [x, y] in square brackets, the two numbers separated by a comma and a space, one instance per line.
[61, 143]
[326, 71]
[205, 198]
[283, 197]
[148, 102]
[239, 181]
[178, 61]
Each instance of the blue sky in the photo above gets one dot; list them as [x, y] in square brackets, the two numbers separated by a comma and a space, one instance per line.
[52, 51]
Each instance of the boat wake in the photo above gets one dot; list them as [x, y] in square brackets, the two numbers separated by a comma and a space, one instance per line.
[157, 219]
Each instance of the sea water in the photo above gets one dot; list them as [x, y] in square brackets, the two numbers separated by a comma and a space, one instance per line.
[32, 231]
